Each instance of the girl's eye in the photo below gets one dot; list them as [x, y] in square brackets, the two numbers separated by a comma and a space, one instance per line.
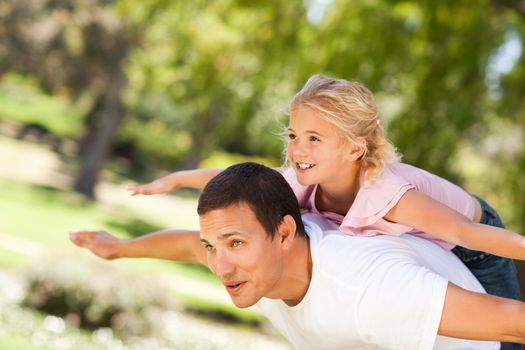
[236, 243]
[292, 136]
[314, 138]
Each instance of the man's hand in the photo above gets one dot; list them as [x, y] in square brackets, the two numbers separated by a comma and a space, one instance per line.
[100, 243]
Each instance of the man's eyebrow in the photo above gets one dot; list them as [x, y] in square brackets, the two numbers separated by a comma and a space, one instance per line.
[222, 237]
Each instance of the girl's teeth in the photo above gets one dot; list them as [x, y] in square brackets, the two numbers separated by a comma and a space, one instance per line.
[304, 165]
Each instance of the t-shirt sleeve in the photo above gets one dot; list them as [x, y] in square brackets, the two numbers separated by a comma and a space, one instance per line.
[400, 306]
[373, 202]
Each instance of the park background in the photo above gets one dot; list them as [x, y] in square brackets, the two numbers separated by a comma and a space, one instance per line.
[98, 94]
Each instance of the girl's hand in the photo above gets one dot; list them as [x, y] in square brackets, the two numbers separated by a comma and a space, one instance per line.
[159, 186]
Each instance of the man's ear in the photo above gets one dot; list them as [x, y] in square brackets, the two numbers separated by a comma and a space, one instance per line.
[287, 231]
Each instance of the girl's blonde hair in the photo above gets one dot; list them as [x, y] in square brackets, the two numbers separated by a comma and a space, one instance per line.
[350, 107]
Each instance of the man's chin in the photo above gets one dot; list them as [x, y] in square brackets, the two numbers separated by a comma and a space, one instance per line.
[242, 303]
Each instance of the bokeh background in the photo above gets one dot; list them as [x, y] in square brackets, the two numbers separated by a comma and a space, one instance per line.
[102, 93]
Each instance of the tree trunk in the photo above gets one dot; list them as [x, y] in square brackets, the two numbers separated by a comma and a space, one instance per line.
[92, 122]
[97, 150]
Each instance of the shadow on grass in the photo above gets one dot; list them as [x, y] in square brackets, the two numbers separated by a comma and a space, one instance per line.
[133, 227]
[222, 313]
[46, 193]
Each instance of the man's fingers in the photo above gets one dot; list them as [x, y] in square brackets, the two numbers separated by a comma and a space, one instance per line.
[133, 189]
[80, 237]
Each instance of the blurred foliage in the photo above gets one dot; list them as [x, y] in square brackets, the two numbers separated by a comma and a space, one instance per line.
[127, 304]
[135, 314]
[22, 101]
[204, 77]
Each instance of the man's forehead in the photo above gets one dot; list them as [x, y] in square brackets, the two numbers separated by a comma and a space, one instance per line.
[226, 221]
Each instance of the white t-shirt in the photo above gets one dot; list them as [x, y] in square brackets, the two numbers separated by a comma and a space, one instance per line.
[378, 292]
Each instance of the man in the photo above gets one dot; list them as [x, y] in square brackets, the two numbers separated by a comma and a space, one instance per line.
[320, 288]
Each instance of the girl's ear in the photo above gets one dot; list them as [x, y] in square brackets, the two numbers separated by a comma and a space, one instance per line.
[287, 232]
[357, 149]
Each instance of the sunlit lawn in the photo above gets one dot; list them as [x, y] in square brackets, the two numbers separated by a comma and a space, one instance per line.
[45, 214]
[16, 342]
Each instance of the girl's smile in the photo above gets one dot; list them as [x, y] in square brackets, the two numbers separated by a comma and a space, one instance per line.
[304, 166]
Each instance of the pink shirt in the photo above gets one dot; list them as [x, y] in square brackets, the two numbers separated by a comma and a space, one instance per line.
[365, 217]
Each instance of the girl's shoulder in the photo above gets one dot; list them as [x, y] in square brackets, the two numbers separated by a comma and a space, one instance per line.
[393, 176]
[382, 194]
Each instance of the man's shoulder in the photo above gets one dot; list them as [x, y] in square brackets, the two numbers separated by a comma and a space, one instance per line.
[344, 256]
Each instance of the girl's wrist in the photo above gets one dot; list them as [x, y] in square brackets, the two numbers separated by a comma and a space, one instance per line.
[173, 181]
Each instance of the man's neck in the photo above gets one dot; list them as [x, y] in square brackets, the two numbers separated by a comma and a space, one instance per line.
[297, 273]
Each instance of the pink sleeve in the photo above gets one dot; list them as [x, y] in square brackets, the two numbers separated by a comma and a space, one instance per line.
[372, 203]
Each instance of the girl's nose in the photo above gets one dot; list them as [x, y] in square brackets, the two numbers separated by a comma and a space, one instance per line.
[296, 149]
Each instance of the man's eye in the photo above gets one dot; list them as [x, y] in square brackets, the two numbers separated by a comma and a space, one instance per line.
[208, 247]
[236, 243]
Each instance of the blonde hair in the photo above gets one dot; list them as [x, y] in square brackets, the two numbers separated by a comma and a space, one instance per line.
[350, 107]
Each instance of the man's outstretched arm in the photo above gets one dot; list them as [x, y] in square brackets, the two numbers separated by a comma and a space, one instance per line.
[470, 315]
[177, 245]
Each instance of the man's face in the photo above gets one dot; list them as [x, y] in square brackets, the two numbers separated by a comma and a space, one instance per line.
[241, 254]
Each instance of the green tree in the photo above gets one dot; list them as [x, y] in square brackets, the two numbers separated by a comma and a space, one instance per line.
[74, 48]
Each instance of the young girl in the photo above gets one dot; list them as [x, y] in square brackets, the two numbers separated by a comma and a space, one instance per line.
[342, 166]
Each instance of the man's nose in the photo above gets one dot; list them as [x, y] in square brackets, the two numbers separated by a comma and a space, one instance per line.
[223, 265]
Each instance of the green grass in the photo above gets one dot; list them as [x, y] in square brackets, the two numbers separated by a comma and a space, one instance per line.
[43, 214]
[11, 260]
[17, 342]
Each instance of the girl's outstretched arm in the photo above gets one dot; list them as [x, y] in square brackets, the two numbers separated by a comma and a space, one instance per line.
[424, 213]
[178, 245]
[197, 178]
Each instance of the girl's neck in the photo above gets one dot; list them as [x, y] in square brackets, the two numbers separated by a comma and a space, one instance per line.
[338, 197]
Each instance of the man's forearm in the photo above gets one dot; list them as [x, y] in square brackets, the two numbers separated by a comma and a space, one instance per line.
[477, 316]
[177, 245]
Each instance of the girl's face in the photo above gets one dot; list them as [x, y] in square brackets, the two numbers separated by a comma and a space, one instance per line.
[316, 149]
